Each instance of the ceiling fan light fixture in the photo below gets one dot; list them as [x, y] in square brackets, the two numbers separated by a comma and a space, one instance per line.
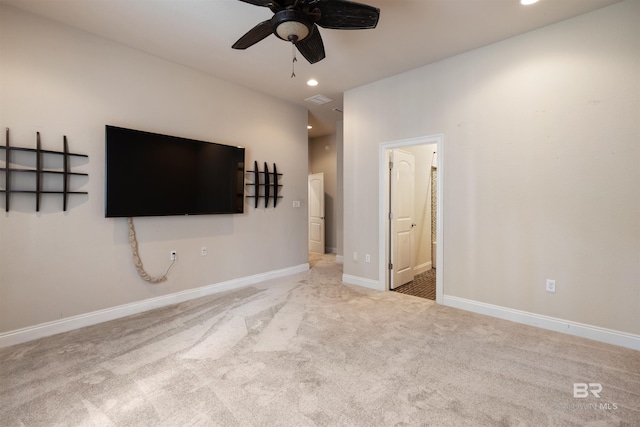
[292, 31]
[291, 25]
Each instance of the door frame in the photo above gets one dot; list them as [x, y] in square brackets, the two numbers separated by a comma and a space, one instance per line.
[383, 208]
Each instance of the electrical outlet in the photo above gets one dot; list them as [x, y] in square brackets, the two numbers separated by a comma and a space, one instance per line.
[367, 258]
[203, 251]
[551, 285]
[173, 255]
[296, 203]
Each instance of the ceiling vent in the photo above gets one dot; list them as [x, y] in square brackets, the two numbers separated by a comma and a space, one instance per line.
[318, 99]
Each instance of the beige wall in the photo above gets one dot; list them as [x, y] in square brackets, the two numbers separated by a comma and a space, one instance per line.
[61, 81]
[541, 167]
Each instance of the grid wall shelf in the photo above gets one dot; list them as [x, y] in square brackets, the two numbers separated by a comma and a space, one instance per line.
[266, 185]
[11, 170]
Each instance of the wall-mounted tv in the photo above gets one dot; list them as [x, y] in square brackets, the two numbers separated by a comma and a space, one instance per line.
[149, 174]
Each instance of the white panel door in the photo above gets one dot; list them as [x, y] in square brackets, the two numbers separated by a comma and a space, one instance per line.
[402, 194]
[316, 212]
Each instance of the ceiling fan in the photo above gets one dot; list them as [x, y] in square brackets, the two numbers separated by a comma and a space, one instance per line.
[297, 21]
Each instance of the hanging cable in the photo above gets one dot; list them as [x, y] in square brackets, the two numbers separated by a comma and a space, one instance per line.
[133, 241]
[293, 62]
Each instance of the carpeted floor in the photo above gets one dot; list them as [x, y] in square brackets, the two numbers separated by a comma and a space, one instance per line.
[423, 285]
[308, 350]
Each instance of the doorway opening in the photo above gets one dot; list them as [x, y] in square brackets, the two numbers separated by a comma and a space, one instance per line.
[389, 248]
[316, 213]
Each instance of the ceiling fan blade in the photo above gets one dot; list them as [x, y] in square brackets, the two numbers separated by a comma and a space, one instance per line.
[254, 35]
[274, 5]
[345, 15]
[311, 47]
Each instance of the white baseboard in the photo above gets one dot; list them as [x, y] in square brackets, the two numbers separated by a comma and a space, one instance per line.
[75, 322]
[422, 268]
[331, 250]
[361, 281]
[608, 336]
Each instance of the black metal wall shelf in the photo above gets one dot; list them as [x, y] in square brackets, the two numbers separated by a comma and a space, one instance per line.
[269, 184]
[39, 171]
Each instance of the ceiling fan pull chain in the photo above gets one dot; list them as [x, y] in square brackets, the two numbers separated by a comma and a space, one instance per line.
[293, 62]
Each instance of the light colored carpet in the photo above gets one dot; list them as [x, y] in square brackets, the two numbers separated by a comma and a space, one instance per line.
[308, 350]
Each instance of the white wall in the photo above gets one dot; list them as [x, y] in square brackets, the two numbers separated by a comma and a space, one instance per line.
[60, 81]
[339, 191]
[541, 167]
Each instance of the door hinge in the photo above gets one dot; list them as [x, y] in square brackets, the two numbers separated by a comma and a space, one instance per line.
[390, 266]
[390, 165]
[390, 215]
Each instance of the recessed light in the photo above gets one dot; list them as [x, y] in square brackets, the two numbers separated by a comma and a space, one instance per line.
[528, 2]
[309, 127]
[312, 82]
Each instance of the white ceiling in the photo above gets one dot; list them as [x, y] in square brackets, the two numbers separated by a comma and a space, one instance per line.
[410, 33]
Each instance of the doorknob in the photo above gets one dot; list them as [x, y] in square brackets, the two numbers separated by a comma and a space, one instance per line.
[413, 225]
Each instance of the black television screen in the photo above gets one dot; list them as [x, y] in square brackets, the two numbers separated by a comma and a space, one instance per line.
[149, 174]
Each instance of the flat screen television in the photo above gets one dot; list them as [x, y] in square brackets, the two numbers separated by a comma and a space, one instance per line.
[149, 174]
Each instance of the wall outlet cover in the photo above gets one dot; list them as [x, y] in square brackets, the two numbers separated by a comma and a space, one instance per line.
[550, 285]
